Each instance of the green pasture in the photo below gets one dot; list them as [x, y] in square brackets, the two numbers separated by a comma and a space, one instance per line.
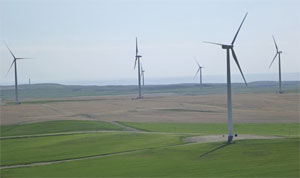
[160, 152]
[248, 158]
[56, 127]
[280, 129]
[49, 148]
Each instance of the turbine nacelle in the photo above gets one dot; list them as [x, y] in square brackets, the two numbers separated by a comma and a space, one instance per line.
[227, 46]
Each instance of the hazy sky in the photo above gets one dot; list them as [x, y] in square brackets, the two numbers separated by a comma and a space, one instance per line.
[95, 40]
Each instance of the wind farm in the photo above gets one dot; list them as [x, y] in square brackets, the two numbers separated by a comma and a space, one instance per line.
[86, 109]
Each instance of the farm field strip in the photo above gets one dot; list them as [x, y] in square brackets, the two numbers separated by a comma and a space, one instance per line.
[144, 143]
[248, 108]
[59, 126]
[70, 159]
[190, 160]
[41, 149]
[276, 129]
[187, 141]
[96, 131]
[69, 127]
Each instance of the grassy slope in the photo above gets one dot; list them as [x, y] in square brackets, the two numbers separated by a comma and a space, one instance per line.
[283, 129]
[28, 150]
[55, 127]
[248, 158]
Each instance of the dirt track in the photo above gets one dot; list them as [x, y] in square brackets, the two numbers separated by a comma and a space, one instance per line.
[220, 138]
[168, 108]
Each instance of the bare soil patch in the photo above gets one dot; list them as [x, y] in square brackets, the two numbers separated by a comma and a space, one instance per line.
[223, 138]
[247, 108]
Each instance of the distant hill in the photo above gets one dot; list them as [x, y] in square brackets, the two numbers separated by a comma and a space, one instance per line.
[50, 90]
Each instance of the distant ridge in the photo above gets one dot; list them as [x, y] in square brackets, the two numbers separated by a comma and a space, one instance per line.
[214, 79]
[255, 83]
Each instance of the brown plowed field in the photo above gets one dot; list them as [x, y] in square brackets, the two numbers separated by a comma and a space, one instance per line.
[247, 108]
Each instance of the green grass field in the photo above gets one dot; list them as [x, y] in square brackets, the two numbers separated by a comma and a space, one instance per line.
[40, 149]
[55, 127]
[251, 158]
[156, 154]
[282, 129]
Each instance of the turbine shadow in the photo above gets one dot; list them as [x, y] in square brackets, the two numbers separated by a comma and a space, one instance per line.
[215, 149]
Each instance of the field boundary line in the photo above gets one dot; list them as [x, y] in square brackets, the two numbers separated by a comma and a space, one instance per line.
[63, 133]
[69, 159]
[87, 157]
[126, 127]
[92, 131]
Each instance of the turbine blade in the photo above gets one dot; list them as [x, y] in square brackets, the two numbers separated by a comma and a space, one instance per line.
[275, 43]
[23, 58]
[237, 63]
[196, 61]
[239, 29]
[213, 43]
[11, 66]
[136, 47]
[197, 72]
[273, 60]
[9, 50]
[135, 62]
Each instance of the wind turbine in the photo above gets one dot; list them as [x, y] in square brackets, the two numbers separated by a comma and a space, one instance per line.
[143, 79]
[137, 58]
[279, 63]
[16, 75]
[229, 47]
[199, 70]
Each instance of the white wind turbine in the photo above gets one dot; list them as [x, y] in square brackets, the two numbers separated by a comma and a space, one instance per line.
[228, 48]
[137, 59]
[199, 71]
[16, 73]
[279, 63]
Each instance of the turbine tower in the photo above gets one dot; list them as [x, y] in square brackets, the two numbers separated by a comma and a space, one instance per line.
[229, 47]
[199, 70]
[143, 80]
[279, 63]
[16, 75]
[137, 58]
